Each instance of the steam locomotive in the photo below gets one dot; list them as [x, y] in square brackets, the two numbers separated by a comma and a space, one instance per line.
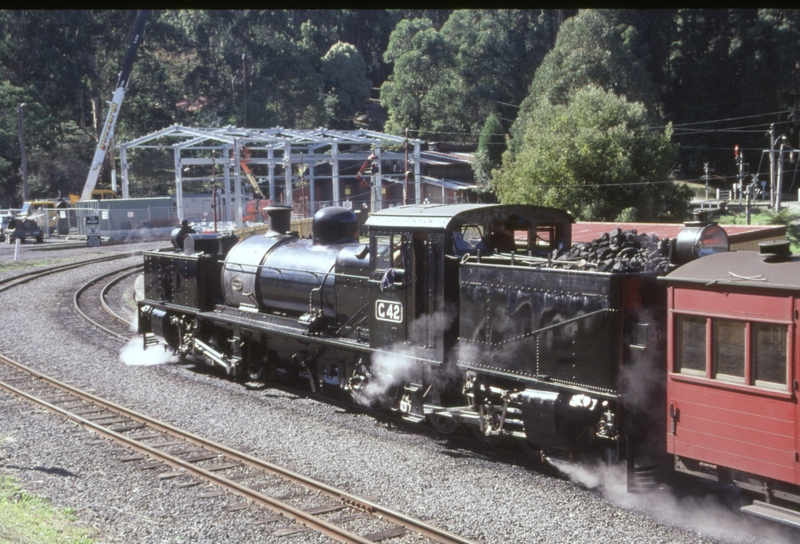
[485, 317]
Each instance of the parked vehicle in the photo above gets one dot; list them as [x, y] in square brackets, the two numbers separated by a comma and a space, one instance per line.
[22, 229]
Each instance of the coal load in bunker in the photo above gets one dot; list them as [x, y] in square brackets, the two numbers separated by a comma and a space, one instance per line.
[474, 316]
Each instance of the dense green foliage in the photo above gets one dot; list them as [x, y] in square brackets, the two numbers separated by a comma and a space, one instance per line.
[581, 140]
[594, 156]
[346, 86]
[489, 154]
[441, 74]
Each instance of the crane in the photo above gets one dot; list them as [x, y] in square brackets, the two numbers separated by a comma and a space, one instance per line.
[116, 103]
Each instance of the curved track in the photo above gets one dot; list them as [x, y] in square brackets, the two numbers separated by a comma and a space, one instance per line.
[19, 279]
[121, 330]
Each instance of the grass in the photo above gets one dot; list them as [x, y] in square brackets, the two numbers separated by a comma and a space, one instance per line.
[11, 264]
[27, 519]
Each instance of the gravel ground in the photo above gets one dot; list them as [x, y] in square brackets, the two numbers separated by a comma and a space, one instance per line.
[476, 494]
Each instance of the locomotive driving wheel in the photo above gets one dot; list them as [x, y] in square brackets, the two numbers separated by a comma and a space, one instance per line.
[443, 424]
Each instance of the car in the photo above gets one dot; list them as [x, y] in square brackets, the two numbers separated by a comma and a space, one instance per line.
[22, 229]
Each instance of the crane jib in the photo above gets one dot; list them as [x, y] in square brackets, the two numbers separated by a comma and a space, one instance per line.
[116, 104]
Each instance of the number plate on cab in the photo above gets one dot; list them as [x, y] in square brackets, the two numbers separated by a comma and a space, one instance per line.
[387, 310]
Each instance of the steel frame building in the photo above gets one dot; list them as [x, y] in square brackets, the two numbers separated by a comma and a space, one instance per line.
[274, 147]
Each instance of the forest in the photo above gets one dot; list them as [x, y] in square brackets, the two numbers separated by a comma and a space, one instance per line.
[595, 111]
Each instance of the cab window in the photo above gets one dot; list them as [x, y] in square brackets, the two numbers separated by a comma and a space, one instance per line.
[387, 251]
[468, 239]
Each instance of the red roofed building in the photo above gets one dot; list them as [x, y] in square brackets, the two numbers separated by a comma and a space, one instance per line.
[741, 237]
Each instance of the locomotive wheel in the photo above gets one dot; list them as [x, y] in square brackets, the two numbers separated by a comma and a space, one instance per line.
[443, 424]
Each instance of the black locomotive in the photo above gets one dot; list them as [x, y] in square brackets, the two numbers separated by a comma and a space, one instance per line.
[483, 316]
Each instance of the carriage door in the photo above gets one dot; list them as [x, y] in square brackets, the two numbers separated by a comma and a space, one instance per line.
[391, 289]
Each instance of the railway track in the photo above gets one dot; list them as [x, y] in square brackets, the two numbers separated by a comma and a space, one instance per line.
[19, 279]
[294, 502]
[97, 315]
[297, 503]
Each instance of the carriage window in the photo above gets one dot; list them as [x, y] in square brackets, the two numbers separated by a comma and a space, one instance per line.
[769, 354]
[690, 351]
[729, 354]
[763, 361]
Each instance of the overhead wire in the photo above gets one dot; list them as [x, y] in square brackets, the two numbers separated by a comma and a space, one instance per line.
[673, 125]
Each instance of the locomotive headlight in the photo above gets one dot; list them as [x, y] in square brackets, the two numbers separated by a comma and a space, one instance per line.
[699, 239]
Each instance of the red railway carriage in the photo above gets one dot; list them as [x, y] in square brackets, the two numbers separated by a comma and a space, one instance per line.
[732, 371]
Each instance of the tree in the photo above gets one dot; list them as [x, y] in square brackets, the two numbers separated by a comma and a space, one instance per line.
[367, 29]
[489, 155]
[588, 51]
[497, 53]
[421, 93]
[483, 61]
[344, 75]
[596, 157]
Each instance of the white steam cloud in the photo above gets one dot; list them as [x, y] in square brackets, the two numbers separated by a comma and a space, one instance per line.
[388, 370]
[398, 365]
[705, 515]
[134, 354]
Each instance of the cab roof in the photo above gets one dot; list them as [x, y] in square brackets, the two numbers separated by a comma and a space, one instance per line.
[446, 216]
[740, 269]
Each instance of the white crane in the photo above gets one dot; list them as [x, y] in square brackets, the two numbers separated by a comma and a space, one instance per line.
[116, 103]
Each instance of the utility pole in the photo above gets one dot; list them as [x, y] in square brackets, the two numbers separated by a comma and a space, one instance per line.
[739, 163]
[244, 90]
[705, 177]
[23, 155]
[405, 183]
[747, 199]
[771, 165]
[779, 182]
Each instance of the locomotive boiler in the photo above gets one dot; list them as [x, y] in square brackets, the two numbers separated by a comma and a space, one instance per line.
[464, 315]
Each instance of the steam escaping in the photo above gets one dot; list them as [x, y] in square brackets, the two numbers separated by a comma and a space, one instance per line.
[388, 370]
[134, 354]
[399, 365]
[706, 515]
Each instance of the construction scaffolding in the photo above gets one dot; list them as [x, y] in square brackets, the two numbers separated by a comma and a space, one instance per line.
[298, 158]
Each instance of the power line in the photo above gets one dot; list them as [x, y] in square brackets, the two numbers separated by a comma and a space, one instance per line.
[729, 119]
[687, 132]
[633, 182]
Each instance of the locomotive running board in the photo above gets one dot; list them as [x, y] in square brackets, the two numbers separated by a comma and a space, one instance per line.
[773, 513]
